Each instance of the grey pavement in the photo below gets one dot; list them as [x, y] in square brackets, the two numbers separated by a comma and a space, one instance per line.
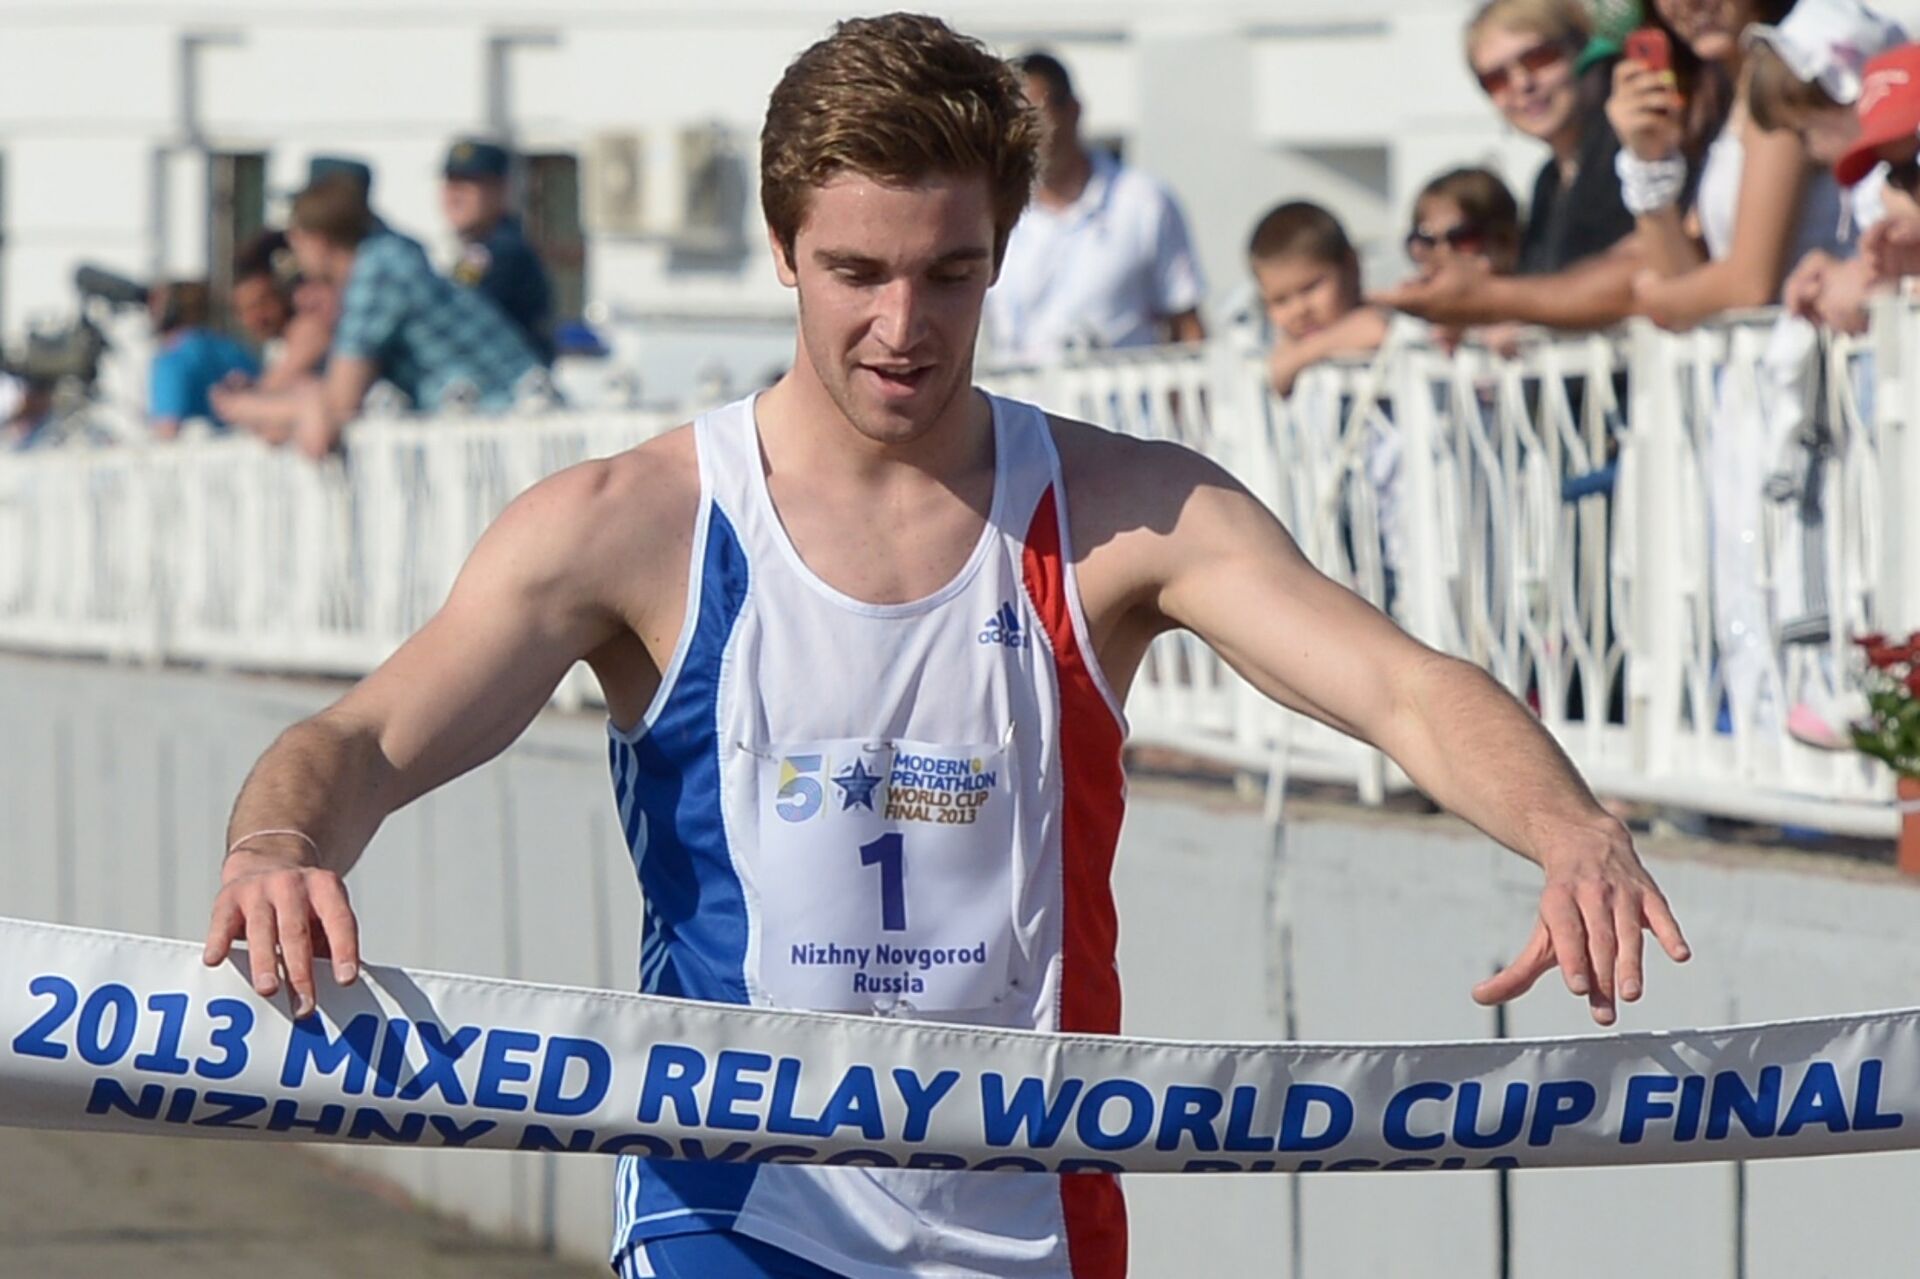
[85, 1206]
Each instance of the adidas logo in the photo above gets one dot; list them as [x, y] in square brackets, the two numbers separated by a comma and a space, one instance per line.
[1004, 628]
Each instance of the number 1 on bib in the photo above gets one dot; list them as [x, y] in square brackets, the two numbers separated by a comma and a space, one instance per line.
[886, 852]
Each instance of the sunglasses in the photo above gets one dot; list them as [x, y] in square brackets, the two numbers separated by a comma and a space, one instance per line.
[1494, 80]
[1905, 176]
[1464, 238]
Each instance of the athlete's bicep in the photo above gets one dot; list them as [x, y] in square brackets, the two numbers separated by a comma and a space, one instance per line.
[1231, 574]
[524, 608]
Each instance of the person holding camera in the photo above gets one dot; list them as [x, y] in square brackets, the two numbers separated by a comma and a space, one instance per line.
[192, 358]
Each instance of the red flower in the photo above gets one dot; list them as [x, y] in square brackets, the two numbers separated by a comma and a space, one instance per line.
[1913, 683]
[1884, 658]
[1872, 639]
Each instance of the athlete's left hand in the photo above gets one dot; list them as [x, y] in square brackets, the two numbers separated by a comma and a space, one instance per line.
[1597, 899]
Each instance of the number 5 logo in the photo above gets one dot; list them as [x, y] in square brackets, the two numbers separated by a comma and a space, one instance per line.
[799, 795]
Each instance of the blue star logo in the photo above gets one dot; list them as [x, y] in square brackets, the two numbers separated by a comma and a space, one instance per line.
[857, 786]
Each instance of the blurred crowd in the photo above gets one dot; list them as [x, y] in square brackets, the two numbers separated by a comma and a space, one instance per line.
[1706, 156]
[1703, 156]
[338, 303]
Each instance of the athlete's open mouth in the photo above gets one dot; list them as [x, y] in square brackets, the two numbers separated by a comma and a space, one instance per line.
[900, 380]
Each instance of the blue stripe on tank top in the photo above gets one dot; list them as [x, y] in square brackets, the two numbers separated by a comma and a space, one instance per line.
[695, 910]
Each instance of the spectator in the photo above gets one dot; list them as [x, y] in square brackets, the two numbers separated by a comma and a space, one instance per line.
[1308, 276]
[495, 257]
[1102, 257]
[1523, 54]
[358, 172]
[1466, 219]
[1758, 208]
[1575, 266]
[191, 358]
[438, 343]
[1465, 213]
[1804, 76]
[1889, 115]
[290, 318]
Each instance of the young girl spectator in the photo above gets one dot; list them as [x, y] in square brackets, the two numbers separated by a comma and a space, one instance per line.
[1308, 276]
[1758, 206]
[1466, 218]
[1465, 213]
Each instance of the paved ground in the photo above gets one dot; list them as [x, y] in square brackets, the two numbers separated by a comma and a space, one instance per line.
[87, 1207]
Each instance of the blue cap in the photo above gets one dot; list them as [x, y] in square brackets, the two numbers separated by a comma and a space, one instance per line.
[321, 167]
[471, 158]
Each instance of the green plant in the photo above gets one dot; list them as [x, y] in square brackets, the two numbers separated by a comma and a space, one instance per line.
[1891, 731]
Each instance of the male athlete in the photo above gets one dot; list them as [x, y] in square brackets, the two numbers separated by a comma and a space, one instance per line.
[864, 641]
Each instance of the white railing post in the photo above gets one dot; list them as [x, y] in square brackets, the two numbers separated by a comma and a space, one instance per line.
[1421, 580]
[1896, 411]
[1651, 463]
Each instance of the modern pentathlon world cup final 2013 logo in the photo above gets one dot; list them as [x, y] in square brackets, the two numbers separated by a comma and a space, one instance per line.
[921, 784]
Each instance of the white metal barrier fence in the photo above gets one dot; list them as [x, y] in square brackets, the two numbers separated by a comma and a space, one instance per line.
[1666, 623]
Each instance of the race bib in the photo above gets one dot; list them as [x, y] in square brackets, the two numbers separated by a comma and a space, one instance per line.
[886, 876]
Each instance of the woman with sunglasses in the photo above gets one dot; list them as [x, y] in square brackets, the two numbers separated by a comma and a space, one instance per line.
[1758, 206]
[1525, 55]
[1575, 266]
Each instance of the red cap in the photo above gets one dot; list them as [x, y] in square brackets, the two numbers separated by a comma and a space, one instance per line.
[1889, 110]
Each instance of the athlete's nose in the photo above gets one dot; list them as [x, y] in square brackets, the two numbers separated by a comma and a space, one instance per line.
[899, 320]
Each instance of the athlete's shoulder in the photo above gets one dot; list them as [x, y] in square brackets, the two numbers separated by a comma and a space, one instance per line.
[619, 510]
[1124, 469]
[1137, 508]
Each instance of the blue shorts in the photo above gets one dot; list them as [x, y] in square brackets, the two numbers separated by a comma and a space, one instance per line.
[717, 1255]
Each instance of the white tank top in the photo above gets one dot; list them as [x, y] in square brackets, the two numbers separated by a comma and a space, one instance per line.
[1817, 226]
[885, 809]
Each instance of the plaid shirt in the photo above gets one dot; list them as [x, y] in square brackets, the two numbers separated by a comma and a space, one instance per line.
[425, 333]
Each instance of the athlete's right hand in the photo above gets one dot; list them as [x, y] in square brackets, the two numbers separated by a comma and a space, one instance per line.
[288, 911]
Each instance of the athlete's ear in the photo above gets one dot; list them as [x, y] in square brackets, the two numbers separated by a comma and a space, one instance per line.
[782, 259]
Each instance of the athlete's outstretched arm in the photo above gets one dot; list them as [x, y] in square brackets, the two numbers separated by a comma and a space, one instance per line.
[452, 697]
[1222, 566]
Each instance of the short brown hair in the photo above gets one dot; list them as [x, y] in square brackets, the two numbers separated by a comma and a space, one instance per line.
[1485, 204]
[335, 209]
[188, 304]
[1301, 229]
[1776, 97]
[898, 99]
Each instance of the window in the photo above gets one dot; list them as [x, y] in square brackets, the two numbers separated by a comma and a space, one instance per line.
[553, 228]
[236, 212]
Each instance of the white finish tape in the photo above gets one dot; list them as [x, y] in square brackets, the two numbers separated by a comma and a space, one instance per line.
[133, 1034]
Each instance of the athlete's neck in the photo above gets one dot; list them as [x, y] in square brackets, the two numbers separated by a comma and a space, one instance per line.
[803, 431]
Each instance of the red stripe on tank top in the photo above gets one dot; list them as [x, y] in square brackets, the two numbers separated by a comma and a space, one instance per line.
[1092, 802]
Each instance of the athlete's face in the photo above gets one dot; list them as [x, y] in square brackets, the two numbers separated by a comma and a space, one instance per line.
[891, 281]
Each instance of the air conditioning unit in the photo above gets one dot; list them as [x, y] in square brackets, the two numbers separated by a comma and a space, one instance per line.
[616, 185]
[711, 178]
